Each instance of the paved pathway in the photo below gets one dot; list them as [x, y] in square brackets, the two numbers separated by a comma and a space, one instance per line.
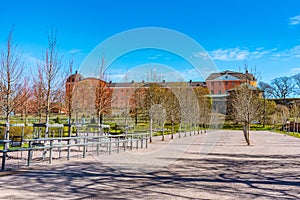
[215, 165]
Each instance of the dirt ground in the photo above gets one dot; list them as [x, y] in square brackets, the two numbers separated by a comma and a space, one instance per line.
[214, 165]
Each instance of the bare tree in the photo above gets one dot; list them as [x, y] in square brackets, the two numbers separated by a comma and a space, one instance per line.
[159, 114]
[69, 98]
[281, 115]
[49, 71]
[137, 102]
[267, 92]
[12, 81]
[103, 94]
[266, 89]
[204, 106]
[39, 94]
[152, 97]
[172, 109]
[296, 79]
[282, 87]
[23, 99]
[294, 114]
[245, 107]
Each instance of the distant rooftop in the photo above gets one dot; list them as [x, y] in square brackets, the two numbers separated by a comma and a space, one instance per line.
[231, 75]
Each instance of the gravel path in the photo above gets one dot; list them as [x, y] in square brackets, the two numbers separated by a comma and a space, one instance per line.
[215, 165]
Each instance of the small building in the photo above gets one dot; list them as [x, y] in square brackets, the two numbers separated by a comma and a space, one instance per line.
[220, 83]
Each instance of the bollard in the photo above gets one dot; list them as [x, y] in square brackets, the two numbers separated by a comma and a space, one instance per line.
[29, 154]
[98, 145]
[125, 144]
[50, 151]
[4, 155]
[109, 145]
[118, 145]
[84, 147]
[146, 141]
[131, 137]
[142, 141]
[69, 149]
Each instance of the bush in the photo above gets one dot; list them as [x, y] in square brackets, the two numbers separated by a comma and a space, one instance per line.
[15, 131]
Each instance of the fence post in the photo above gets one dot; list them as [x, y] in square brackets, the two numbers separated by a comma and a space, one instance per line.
[50, 151]
[146, 140]
[109, 145]
[118, 145]
[4, 154]
[84, 147]
[69, 149]
[125, 143]
[131, 141]
[29, 154]
[141, 141]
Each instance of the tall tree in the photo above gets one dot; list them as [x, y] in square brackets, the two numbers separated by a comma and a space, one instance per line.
[267, 92]
[296, 79]
[12, 80]
[103, 94]
[137, 102]
[24, 98]
[50, 72]
[282, 87]
[152, 98]
[294, 114]
[39, 94]
[281, 115]
[69, 97]
[245, 107]
[204, 106]
[172, 109]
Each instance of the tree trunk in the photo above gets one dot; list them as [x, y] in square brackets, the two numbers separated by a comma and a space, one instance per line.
[69, 124]
[151, 123]
[172, 131]
[163, 133]
[246, 131]
[179, 130]
[136, 117]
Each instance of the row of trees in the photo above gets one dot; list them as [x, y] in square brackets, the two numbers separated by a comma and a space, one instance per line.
[45, 92]
[281, 87]
[23, 91]
[176, 104]
[248, 105]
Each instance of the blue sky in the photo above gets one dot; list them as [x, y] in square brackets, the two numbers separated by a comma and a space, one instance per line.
[264, 34]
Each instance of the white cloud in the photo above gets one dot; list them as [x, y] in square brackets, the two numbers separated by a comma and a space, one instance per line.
[295, 70]
[201, 54]
[233, 54]
[295, 51]
[294, 20]
[287, 53]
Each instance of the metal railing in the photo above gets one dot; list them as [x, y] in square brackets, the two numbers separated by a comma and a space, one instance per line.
[54, 147]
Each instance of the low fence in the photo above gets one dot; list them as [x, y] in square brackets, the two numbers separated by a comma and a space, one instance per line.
[34, 151]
